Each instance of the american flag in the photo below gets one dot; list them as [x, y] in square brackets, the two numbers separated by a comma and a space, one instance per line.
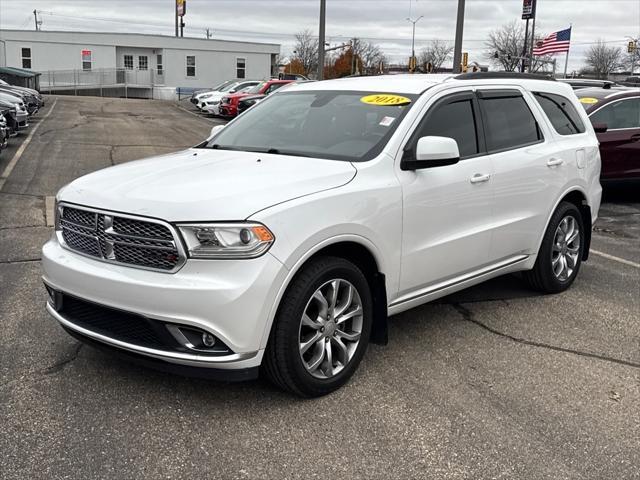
[557, 42]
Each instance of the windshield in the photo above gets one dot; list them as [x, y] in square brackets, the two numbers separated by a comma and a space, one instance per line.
[226, 88]
[256, 88]
[223, 85]
[335, 125]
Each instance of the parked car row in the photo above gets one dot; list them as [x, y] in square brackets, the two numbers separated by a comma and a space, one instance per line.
[230, 98]
[17, 105]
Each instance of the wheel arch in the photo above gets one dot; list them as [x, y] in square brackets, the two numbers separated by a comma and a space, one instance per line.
[577, 197]
[362, 253]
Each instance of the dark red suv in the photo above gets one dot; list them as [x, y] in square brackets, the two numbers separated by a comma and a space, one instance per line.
[229, 103]
[615, 115]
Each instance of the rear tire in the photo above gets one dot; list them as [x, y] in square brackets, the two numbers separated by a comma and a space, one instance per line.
[321, 330]
[560, 254]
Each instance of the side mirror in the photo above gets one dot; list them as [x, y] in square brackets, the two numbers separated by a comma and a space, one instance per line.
[432, 152]
[600, 127]
[215, 130]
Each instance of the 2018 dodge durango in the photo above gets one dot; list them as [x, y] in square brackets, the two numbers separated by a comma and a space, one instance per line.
[284, 242]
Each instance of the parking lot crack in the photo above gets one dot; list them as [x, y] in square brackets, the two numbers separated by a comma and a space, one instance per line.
[24, 260]
[55, 368]
[468, 316]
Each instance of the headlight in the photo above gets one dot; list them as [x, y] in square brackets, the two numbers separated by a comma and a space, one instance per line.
[208, 95]
[226, 240]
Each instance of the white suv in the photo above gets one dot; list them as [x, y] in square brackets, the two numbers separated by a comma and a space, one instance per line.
[287, 238]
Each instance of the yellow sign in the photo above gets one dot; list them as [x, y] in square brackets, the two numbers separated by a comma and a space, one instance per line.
[465, 59]
[588, 100]
[385, 99]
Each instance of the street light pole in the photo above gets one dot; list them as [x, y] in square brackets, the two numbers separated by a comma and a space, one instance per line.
[321, 39]
[413, 41]
[457, 51]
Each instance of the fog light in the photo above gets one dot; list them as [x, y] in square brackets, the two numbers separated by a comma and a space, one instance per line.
[208, 340]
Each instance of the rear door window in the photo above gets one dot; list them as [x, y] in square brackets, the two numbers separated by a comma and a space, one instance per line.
[618, 115]
[508, 121]
[452, 117]
[561, 113]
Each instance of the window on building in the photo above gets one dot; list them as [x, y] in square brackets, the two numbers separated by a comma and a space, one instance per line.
[128, 62]
[508, 122]
[241, 67]
[143, 62]
[26, 58]
[159, 67]
[562, 115]
[86, 60]
[454, 118]
[191, 66]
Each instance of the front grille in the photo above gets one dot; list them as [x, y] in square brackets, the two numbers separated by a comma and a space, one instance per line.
[118, 239]
[116, 324]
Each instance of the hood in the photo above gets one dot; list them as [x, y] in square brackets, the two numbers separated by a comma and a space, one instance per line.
[206, 185]
[213, 95]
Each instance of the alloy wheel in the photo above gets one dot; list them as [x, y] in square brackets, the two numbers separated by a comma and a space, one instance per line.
[566, 248]
[330, 328]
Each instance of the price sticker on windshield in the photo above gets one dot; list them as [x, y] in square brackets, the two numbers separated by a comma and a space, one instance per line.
[385, 100]
[588, 100]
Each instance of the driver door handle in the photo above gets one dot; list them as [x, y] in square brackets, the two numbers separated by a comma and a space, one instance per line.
[554, 162]
[479, 178]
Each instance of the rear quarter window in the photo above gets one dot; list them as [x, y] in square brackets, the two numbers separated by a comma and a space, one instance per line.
[561, 113]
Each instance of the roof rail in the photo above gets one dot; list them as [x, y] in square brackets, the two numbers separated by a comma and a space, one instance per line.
[490, 75]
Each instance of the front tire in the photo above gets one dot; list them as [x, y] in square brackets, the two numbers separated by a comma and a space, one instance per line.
[321, 330]
[560, 254]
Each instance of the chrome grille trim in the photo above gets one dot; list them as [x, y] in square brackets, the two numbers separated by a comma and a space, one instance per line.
[91, 232]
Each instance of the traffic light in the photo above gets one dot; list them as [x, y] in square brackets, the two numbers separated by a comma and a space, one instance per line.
[632, 46]
[429, 67]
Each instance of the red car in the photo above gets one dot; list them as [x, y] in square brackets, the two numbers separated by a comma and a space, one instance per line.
[229, 103]
[615, 116]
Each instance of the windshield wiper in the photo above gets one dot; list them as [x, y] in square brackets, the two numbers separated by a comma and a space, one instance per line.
[217, 146]
[276, 151]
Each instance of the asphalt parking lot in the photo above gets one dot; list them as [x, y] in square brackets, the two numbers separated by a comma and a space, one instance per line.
[494, 382]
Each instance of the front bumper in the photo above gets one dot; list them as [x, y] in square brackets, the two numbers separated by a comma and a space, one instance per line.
[213, 109]
[22, 120]
[231, 300]
[228, 110]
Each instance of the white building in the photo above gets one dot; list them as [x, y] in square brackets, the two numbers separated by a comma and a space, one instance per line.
[143, 60]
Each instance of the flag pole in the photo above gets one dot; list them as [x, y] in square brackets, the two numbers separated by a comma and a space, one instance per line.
[566, 60]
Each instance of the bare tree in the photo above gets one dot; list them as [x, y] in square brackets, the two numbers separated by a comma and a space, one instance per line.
[436, 53]
[602, 59]
[506, 44]
[306, 51]
[369, 54]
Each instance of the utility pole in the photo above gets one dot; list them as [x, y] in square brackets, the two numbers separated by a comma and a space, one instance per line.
[523, 63]
[533, 41]
[457, 50]
[209, 33]
[321, 38]
[175, 12]
[35, 15]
